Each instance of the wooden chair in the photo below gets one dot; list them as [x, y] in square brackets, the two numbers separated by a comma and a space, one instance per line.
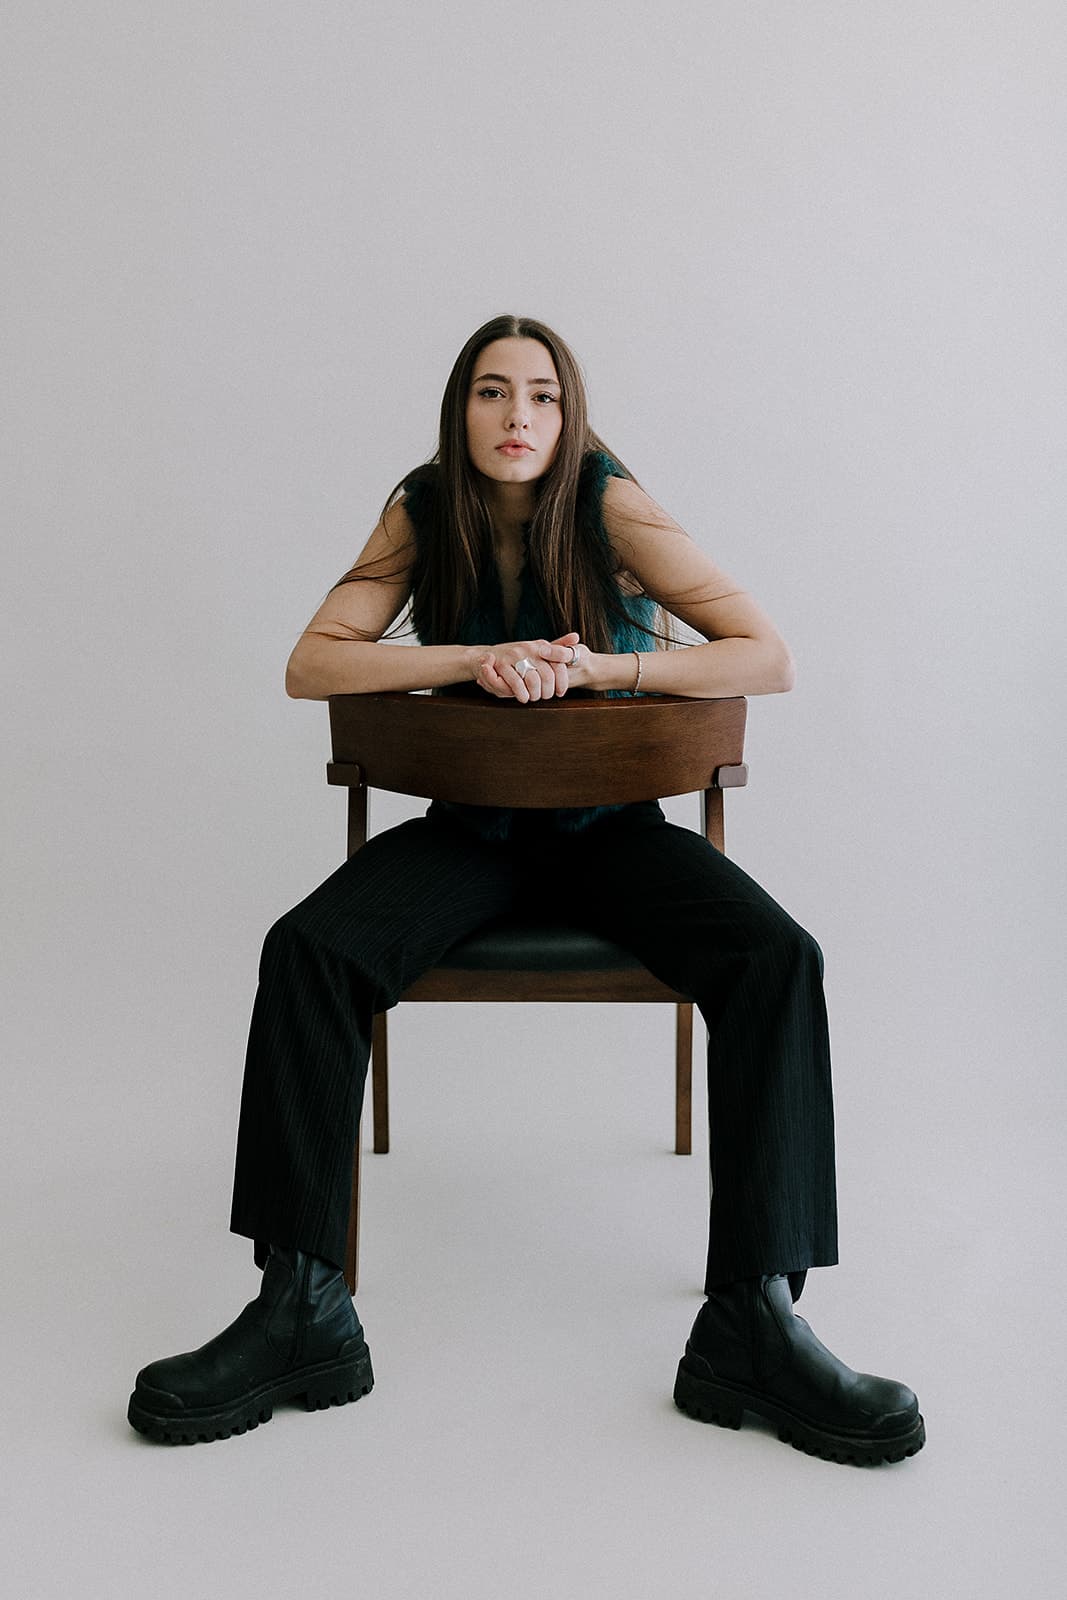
[571, 752]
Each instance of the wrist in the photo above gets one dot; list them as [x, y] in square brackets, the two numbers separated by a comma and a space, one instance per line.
[603, 671]
[472, 658]
[615, 671]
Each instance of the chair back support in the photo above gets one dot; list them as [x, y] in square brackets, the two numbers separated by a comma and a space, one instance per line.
[569, 752]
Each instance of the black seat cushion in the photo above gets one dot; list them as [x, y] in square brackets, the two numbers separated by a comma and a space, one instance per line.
[510, 945]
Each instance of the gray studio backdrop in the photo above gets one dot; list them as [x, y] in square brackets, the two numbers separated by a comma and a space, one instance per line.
[811, 257]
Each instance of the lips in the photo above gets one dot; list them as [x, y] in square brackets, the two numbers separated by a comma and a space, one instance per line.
[513, 447]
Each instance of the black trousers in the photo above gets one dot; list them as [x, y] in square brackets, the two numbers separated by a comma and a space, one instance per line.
[690, 914]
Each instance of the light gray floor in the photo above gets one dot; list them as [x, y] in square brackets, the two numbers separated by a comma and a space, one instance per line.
[532, 1261]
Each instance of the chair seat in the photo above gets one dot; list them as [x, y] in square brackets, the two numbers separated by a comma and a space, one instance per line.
[511, 944]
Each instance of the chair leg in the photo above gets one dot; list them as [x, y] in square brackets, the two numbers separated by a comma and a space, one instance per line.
[352, 1242]
[380, 1084]
[683, 1081]
[380, 1095]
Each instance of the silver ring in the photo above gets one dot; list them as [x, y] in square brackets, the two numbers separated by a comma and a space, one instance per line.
[524, 666]
[574, 655]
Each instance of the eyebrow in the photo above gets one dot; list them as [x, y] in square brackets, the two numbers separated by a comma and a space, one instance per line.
[500, 378]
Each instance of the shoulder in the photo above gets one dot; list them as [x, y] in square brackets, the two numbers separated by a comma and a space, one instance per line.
[414, 510]
[625, 514]
[622, 496]
[598, 466]
[597, 477]
[420, 486]
[424, 476]
[629, 513]
[397, 525]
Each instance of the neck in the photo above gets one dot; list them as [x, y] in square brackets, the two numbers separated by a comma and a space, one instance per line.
[510, 506]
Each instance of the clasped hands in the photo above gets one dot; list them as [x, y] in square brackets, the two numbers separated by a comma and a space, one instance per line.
[535, 669]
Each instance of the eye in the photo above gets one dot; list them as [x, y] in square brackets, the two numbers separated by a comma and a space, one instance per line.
[550, 399]
[489, 392]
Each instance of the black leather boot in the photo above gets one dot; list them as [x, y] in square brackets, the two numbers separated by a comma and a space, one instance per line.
[299, 1337]
[749, 1351]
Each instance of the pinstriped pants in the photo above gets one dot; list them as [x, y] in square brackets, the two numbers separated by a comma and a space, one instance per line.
[690, 914]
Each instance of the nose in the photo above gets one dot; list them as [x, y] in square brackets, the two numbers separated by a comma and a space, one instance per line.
[518, 413]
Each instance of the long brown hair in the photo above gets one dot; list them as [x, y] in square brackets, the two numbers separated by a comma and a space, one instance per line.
[573, 566]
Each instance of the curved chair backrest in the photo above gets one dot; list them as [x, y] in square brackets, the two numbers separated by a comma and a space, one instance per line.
[569, 752]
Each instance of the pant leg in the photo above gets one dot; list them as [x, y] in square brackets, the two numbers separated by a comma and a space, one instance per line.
[345, 952]
[704, 926]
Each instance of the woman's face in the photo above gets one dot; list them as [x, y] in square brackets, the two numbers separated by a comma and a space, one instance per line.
[514, 415]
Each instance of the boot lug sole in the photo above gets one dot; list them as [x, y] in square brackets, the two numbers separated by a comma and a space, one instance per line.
[725, 1405]
[331, 1383]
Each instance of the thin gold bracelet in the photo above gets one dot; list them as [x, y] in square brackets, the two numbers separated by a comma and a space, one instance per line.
[637, 680]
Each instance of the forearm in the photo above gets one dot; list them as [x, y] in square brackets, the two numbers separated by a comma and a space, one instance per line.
[320, 666]
[712, 671]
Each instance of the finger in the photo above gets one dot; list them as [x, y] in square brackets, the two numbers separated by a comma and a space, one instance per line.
[517, 684]
[490, 680]
[562, 679]
[546, 675]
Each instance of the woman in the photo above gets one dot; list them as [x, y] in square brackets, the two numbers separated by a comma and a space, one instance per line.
[534, 565]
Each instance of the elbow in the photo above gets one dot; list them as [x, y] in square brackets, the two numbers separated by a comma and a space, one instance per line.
[299, 682]
[779, 669]
[786, 671]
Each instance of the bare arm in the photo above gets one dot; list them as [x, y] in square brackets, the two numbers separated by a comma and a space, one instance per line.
[745, 653]
[339, 652]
